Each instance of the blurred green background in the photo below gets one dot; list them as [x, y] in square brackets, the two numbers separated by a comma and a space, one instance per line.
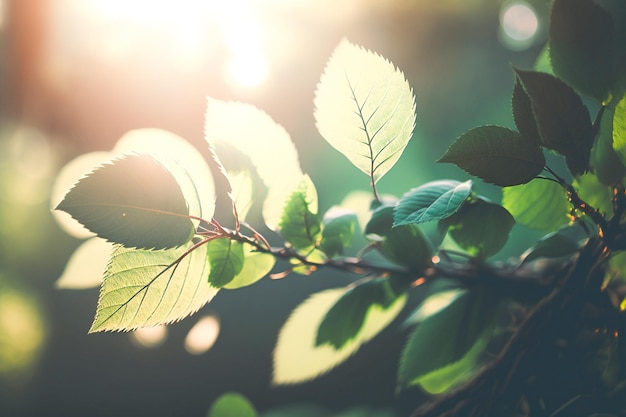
[77, 74]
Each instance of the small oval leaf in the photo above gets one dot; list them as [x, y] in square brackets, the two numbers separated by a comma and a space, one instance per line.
[226, 259]
[256, 265]
[432, 201]
[232, 404]
[338, 231]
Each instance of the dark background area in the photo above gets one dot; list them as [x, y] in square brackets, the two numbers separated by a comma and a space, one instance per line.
[73, 79]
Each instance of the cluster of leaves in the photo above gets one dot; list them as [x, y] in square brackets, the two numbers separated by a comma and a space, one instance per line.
[170, 256]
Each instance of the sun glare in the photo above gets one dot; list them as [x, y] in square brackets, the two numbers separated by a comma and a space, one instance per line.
[519, 25]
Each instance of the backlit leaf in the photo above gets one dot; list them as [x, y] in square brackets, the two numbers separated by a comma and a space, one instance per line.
[497, 155]
[480, 227]
[562, 119]
[542, 63]
[133, 201]
[297, 358]
[432, 201]
[447, 336]
[594, 193]
[144, 288]
[267, 144]
[529, 206]
[85, 267]
[232, 404]
[364, 108]
[344, 320]
[299, 223]
[256, 265]
[338, 231]
[226, 258]
[582, 46]
[619, 130]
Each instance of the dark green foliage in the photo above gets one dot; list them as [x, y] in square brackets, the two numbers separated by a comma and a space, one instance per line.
[338, 233]
[562, 120]
[604, 160]
[582, 48]
[381, 221]
[480, 227]
[344, 320]
[446, 336]
[552, 245]
[431, 201]
[497, 155]
[407, 246]
[523, 114]
[226, 258]
[133, 201]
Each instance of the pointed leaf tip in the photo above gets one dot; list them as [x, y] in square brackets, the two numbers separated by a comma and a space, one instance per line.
[364, 108]
[133, 201]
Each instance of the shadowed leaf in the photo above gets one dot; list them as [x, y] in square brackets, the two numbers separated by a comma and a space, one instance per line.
[523, 114]
[605, 161]
[497, 155]
[256, 265]
[226, 259]
[338, 231]
[133, 201]
[299, 223]
[364, 108]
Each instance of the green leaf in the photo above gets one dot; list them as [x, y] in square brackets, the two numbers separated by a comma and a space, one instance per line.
[364, 108]
[344, 320]
[381, 221]
[133, 201]
[267, 144]
[407, 246]
[232, 404]
[297, 358]
[299, 223]
[146, 287]
[447, 336]
[582, 46]
[552, 245]
[542, 63]
[594, 193]
[523, 114]
[432, 201]
[226, 258]
[619, 130]
[529, 205]
[480, 227]
[562, 119]
[256, 265]
[606, 162]
[452, 375]
[497, 155]
[338, 231]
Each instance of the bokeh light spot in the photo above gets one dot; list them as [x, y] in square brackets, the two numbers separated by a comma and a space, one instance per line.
[149, 337]
[202, 335]
[519, 25]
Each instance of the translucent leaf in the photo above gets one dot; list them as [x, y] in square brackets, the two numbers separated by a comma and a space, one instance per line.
[594, 193]
[182, 160]
[256, 265]
[133, 201]
[445, 337]
[582, 46]
[226, 259]
[433, 305]
[232, 404]
[358, 202]
[146, 287]
[497, 155]
[338, 231]
[529, 205]
[267, 144]
[364, 108]
[619, 130]
[299, 223]
[542, 63]
[296, 356]
[455, 373]
[480, 227]
[344, 320]
[552, 245]
[432, 201]
[85, 267]
[242, 192]
[562, 119]
[605, 161]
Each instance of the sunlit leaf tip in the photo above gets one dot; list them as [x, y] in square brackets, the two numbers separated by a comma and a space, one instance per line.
[133, 201]
[364, 108]
[432, 201]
